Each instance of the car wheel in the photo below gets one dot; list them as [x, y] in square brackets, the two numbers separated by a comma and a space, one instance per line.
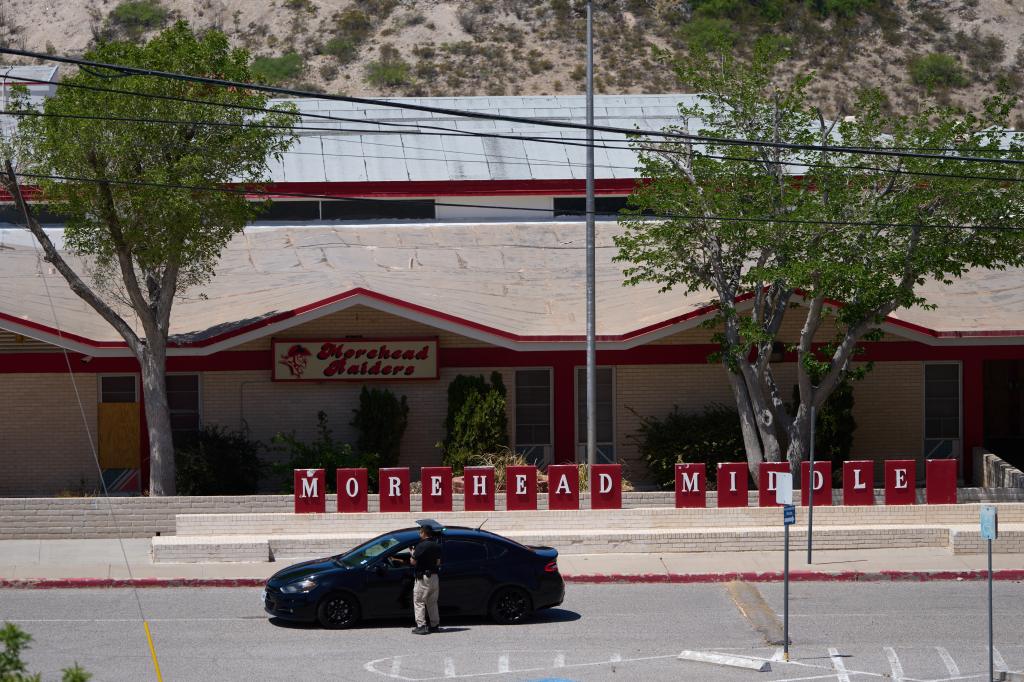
[337, 611]
[511, 605]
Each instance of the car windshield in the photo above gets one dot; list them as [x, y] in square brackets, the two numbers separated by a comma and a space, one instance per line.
[364, 554]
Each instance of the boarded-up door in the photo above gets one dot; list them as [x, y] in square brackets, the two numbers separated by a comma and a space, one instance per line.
[119, 435]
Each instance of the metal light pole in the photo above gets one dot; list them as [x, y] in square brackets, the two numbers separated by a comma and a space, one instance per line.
[810, 492]
[591, 263]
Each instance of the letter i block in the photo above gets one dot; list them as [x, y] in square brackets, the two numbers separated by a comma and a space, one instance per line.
[437, 489]
[352, 491]
[521, 488]
[900, 481]
[479, 488]
[563, 486]
[767, 473]
[858, 482]
[394, 489]
[822, 483]
[732, 484]
[691, 485]
[606, 486]
[940, 481]
[310, 491]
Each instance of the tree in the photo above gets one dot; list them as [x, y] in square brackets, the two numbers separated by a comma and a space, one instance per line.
[13, 669]
[841, 240]
[147, 243]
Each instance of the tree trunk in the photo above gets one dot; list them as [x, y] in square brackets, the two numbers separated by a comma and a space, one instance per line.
[748, 423]
[158, 424]
[799, 439]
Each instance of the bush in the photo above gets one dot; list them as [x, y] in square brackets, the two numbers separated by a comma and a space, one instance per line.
[476, 421]
[709, 35]
[218, 462]
[380, 419]
[937, 71]
[354, 25]
[322, 453]
[342, 48]
[13, 669]
[708, 437]
[501, 459]
[274, 70]
[135, 17]
[389, 71]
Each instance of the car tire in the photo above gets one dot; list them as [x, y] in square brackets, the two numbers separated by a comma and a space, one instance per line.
[511, 605]
[338, 611]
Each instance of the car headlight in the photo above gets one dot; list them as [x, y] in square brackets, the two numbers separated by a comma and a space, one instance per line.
[305, 585]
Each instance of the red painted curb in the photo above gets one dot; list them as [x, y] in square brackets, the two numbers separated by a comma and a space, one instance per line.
[76, 583]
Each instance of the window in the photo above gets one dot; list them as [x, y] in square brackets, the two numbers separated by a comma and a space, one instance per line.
[462, 551]
[118, 389]
[941, 410]
[9, 213]
[605, 414]
[290, 210]
[577, 206]
[183, 400]
[496, 550]
[533, 414]
[368, 209]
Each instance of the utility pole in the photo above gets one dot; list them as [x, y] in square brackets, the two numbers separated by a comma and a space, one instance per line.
[591, 262]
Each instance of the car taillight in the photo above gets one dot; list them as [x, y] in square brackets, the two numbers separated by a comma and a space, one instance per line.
[552, 567]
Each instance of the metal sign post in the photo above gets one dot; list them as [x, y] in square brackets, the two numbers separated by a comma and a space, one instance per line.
[989, 532]
[784, 496]
[810, 493]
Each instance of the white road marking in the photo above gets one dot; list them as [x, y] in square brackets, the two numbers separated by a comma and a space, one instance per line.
[560, 660]
[838, 664]
[503, 663]
[615, 658]
[947, 660]
[396, 666]
[779, 654]
[449, 667]
[998, 661]
[894, 664]
[371, 666]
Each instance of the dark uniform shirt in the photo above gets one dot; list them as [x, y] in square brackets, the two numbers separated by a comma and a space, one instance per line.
[427, 555]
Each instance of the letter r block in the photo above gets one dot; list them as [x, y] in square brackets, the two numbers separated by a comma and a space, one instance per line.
[394, 489]
[691, 485]
[479, 497]
[900, 481]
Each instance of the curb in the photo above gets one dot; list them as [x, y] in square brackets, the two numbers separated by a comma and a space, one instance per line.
[594, 579]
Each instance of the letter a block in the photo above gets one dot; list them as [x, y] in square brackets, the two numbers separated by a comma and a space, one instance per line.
[521, 488]
[479, 487]
[691, 485]
[310, 491]
[437, 489]
[940, 481]
[732, 484]
[606, 486]
[767, 472]
[563, 486]
[352, 491]
[822, 483]
[900, 481]
[858, 482]
[394, 489]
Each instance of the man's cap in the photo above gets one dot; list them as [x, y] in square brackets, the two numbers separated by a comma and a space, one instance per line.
[431, 525]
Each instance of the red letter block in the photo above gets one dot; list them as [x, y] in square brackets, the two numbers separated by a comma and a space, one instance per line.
[352, 489]
[606, 486]
[394, 489]
[563, 486]
[479, 487]
[310, 491]
[940, 481]
[766, 487]
[521, 488]
[858, 482]
[732, 484]
[900, 481]
[437, 488]
[822, 483]
[691, 488]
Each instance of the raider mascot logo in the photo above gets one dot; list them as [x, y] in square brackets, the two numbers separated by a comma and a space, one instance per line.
[296, 360]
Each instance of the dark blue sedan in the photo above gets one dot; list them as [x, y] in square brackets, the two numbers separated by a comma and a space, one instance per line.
[481, 574]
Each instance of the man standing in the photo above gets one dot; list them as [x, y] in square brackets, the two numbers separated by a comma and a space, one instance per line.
[426, 560]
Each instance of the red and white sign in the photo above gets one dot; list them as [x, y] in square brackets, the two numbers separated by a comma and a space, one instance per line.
[394, 489]
[732, 484]
[355, 359]
[940, 481]
[691, 485]
[437, 489]
[767, 475]
[310, 491]
[822, 483]
[353, 487]
[900, 481]
[521, 488]
[563, 486]
[478, 483]
[858, 482]
[606, 486]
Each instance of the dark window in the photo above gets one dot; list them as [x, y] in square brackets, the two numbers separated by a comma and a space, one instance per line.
[183, 400]
[496, 550]
[366, 209]
[290, 210]
[533, 407]
[605, 413]
[577, 206]
[942, 401]
[460, 551]
[117, 389]
[9, 213]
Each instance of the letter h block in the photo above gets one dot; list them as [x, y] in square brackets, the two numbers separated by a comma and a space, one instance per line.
[479, 488]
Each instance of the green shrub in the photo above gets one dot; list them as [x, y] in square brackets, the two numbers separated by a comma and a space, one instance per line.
[937, 71]
[300, 6]
[274, 70]
[354, 25]
[135, 17]
[323, 453]
[380, 419]
[476, 423]
[218, 462]
[707, 437]
[708, 34]
[342, 48]
[389, 71]
[13, 669]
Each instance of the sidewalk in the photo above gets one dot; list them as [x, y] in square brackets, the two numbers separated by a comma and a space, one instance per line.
[100, 563]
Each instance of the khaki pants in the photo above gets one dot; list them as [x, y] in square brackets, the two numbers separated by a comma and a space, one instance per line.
[424, 600]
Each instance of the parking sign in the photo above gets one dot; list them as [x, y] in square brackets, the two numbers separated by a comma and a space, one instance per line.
[989, 523]
[789, 514]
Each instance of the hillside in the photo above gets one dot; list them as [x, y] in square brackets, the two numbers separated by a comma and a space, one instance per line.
[960, 49]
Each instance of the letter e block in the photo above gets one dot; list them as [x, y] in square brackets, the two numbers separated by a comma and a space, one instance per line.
[858, 482]
[310, 491]
[766, 487]
[353, 486]
[437, 489]
[900, 481]
[563, 486]
[733, 484]
[479, 487]
[521, 488]
[394, 489]
[606, 486]
[940, 481]
[691, 485]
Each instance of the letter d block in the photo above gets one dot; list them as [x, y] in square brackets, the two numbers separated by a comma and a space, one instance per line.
[940, 481]
[353, 486]
[479, 487]
[521, 488]
[691, 485]
[310, 491]
[394, 489]
[606, 486]
[822, 483]
[767, 472]
[437, 489]
[732, 484]
[858, 482]
[563, 486]
[900, 481]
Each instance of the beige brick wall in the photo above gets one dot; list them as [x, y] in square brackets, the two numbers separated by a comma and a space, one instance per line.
[789, 333]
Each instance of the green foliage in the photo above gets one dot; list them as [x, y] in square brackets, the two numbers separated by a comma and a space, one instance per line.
[707, 437]
[476, 423]
[706, 33]
[300, 6]
[937, 71]
[834, 424]
[135, 17]
[390, 70]
[381, 419]
[342, 48]
[322, 453]
[13, 669]
[273, 70]
[218, 462]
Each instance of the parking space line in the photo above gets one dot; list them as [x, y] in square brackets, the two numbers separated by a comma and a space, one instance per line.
[838, 664]
[894, 664]
[396, 666]
[998, 661]
[449, 666]
[371, 666]
[947, 660]
[560, 660]
[615, 658]
[503, 663]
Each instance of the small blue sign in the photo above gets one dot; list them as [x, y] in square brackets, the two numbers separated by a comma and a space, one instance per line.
[788, 514]
[989, 523]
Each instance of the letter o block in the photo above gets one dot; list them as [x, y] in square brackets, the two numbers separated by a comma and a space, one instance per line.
[353, 485]
[437, 489]
[822, 483]
[394, 489]
[563, 486]
[310, 491]
[733, 484]
[858, 482]
[766, 487]
[900, 481]
[691, 485]
[479, 488]
[521, 488]
[940, 481]
[606, 486]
